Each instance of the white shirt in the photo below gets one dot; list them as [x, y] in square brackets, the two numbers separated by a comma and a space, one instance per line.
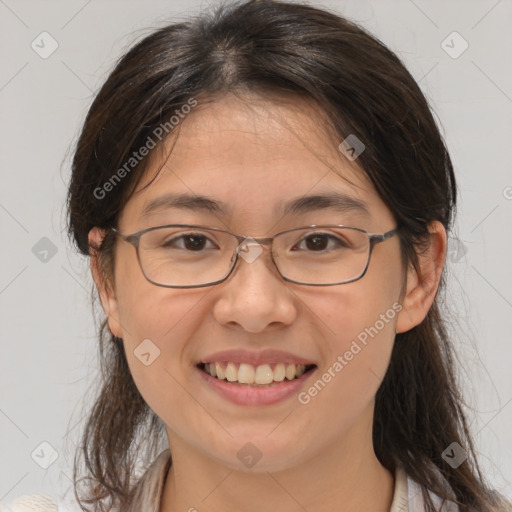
[407, 495]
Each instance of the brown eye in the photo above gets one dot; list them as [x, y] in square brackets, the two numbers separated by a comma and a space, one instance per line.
[190, 242]
[318, 242]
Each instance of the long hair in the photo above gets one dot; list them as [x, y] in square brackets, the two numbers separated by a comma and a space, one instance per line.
[360, 87]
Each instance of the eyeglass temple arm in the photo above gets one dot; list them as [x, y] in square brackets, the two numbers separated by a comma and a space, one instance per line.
[131, 239]
[375, 239]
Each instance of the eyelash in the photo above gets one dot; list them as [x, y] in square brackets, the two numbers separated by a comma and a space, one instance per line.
[309, 236]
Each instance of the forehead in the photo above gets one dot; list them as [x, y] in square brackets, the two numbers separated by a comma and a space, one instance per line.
[251, 159]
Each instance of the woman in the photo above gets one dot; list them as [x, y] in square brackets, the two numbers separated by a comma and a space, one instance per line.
[265, 199]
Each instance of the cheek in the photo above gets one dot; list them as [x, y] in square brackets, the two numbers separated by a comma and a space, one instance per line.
[147, 310]
[345, 387]
[156, 324]
[361, 339]
[358, 325]
[155, 344]
[357, 311]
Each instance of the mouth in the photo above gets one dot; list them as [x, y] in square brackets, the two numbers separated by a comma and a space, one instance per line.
[250, 378]
[256, 376]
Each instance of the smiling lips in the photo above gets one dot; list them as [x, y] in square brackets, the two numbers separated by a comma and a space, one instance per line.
[251, 378]
[262, 369]
[262, 374]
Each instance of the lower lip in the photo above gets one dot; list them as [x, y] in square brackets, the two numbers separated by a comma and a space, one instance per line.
[248, 395]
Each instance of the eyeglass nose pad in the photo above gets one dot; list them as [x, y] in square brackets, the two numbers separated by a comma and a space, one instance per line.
[249, 250]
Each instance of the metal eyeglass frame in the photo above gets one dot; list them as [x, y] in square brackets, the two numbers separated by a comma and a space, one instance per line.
[373, 239]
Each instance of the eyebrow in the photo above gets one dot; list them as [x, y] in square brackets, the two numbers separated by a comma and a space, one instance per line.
[336, 201]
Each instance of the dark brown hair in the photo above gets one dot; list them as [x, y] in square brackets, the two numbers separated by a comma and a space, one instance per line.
[362, 88]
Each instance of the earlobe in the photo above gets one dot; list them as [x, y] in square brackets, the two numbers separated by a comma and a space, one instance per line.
[423, 282]
[103, 283]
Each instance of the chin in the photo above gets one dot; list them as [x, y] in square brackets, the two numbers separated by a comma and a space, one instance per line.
[259, 454]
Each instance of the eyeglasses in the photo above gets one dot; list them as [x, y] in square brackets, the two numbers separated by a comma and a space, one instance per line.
[191, 256]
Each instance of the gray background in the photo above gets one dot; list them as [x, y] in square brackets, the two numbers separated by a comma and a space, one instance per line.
[49, 350]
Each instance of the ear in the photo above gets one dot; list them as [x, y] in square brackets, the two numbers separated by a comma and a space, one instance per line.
[422, 285]
[104, 283]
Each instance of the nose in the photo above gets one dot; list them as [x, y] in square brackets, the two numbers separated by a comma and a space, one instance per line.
[255, 297]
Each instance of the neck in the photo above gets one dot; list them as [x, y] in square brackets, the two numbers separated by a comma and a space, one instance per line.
[346, 476]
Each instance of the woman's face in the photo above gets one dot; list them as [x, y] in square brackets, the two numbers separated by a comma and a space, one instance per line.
[254, 159]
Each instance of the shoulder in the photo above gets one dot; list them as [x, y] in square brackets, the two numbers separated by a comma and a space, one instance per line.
[416, 499]
[147, 493]
[408, 496]
[39, 503]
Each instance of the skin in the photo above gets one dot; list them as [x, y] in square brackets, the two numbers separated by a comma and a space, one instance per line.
[252, 155]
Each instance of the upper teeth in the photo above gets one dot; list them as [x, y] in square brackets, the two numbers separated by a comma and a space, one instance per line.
[248, 374]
